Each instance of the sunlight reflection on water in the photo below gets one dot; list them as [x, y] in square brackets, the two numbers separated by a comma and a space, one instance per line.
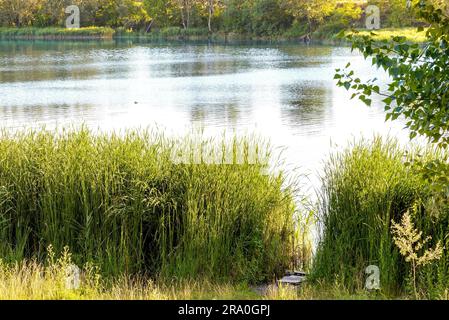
[283, 93]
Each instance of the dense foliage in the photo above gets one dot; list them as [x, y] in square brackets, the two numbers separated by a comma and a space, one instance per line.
[258, 17]
[419, 87]
[365, 188]
[125, 204]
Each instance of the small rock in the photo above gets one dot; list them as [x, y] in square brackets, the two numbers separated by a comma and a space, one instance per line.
[294, 278]
[295, 273]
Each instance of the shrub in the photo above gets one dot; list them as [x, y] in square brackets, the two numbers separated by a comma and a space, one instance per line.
[268, 18]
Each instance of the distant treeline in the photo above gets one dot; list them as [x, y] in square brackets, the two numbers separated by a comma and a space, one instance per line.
[256, 17]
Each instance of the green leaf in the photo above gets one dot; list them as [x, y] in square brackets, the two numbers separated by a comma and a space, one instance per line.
[418, 87]
[387, 101]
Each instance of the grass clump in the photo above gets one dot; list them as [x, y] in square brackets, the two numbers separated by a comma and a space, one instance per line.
[167, 33]
[365, 188]
[121, 202]
[387, 34]
[54, 33]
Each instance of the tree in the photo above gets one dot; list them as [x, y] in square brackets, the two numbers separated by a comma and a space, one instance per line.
[312, 11]
[212, 7]
[88, 10]
[344, 15]
[133, 15]
[185, 9]
[18, 13]
[237, 16]
[268, 17]
[208, 8]
[160, 11]
[51, 12]
[121, 13]
[419, 87]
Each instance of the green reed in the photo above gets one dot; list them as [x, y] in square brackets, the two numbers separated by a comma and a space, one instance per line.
[54, 33]
[364, 188]
[122, 202]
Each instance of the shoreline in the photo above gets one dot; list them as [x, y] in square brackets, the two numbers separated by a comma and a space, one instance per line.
[56, 33]
[180, 35]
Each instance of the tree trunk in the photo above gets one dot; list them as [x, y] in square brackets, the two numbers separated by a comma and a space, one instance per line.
[149, 26]
[209, 22]
[185, 13]
[183, 19]
[211, 12]
[188, 15]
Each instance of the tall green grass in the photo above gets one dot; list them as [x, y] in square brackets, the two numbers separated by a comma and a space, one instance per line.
[410, 34]
[168, 33]
[364, 188]
[54, 33]
[121, 202]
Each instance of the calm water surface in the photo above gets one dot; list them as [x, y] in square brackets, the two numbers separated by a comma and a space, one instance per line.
[285, 93]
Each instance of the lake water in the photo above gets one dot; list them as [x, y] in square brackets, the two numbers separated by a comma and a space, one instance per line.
[285, 93]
